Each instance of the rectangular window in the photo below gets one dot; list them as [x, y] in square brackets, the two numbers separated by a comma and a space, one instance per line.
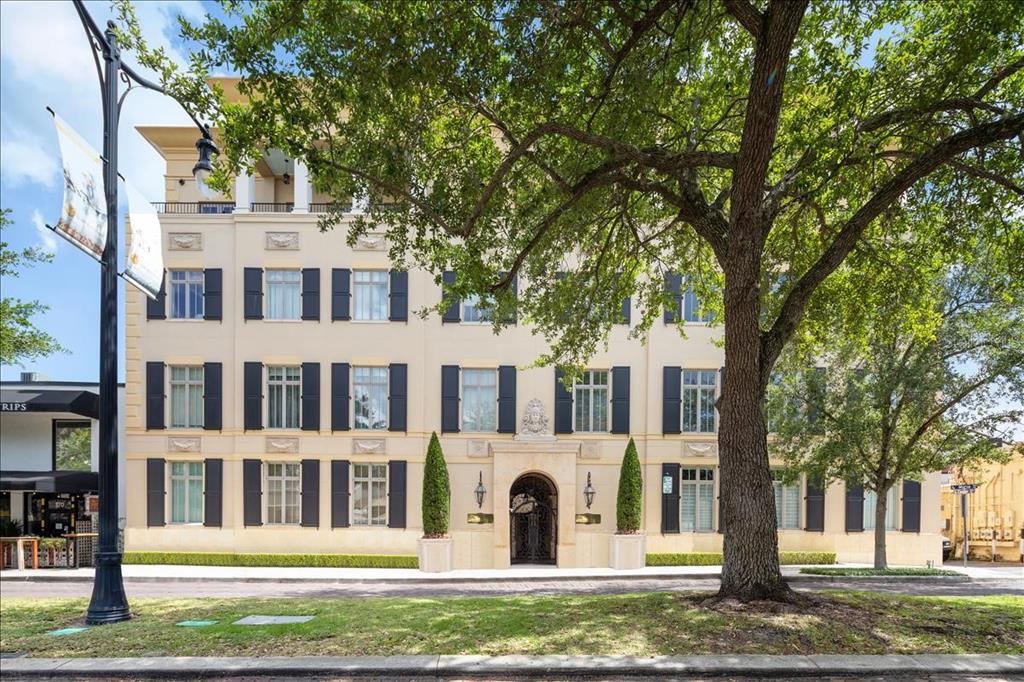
[186, 294]
[591, 402]
[692, 308]
[698, 402]
[370, 397]
[283, 393]
[371, 294]
[284, 483]
[369, 494]
[186, 397]
[787, 502]
[474, 311]
[871, 506]
[72, 444]
[479, 400]
[284, 294]
[697, 498]
[186, 492]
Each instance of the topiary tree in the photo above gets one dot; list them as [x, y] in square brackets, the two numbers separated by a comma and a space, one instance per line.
[629, 506]
[436, 491]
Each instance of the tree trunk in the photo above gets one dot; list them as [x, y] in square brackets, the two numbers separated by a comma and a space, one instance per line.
[880, 509]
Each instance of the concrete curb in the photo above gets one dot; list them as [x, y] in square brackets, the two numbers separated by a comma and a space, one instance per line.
[441, 667]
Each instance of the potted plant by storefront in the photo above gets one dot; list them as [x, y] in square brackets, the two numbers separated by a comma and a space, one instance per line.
[629, 545]
[435, 547]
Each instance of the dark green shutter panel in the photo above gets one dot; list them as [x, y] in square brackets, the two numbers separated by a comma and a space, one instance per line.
[310, 396]
[154, 395]
[156, 308]
[674, 286]
[339, 493]
[669, 500]
[624, 317]
[213, 493]
[339, 396]
[671, 399]
[311, 294]
[854, 508]
[451, 313]
[396, 493]
[155, 492]
[399, 296]
[511, 317]
[252, 492]
[341, 293]
[213, 380]
[450, 399]
[911, 506]
[563, 404]
[815, 505]
[311, 493]
[398, 380]
[213, 294]
[620, 400]
[507, 399]
[253, 287]
[253, 395]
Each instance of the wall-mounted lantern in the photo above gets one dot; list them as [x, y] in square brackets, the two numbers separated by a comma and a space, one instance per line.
[588, 492]
[480, 491]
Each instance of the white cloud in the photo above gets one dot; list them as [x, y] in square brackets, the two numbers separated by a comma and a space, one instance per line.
[47, 238]
[26, 160]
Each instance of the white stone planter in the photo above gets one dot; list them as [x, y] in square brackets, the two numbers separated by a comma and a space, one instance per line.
[435, 555]
[628, 552]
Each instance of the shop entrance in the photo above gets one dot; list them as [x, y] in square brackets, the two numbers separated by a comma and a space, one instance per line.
[533, 522]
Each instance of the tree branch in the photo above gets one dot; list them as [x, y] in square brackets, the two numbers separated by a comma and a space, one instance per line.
[953, 104]
[745, 13]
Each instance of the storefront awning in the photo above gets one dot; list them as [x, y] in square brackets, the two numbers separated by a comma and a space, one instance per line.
[50, 481]
[84, 403]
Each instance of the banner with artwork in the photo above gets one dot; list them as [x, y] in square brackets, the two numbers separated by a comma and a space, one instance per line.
[83, 220]
[144, 266]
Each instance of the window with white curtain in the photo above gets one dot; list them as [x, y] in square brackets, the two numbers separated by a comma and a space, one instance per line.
[692, 311]
[284, 294]
[787, 502]
[479, 400]
[871, 506]
[473, 310]
[698, 401]
[284, 486]
[370, 294]
[697, 499]
[186, 294]
[369, 494]
[186, 397]
[283, 397]
[186, 492]
[591, 401]
[370, 397]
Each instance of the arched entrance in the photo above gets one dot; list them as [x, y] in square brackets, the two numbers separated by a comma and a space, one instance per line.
[533, 522]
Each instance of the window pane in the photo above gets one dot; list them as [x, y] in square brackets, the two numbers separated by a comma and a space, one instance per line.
[479, 400]
[688, 499]
[177, 500]
[371, 294]
[73, 443]
[195, 500]
[792, 507]
[870, 506]
[284, 291]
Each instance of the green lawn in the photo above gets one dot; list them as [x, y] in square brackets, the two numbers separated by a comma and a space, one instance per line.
[907, 571]
[637, 624]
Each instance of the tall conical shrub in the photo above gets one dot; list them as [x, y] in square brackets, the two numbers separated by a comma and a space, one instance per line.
[629, 506]
[436, 491]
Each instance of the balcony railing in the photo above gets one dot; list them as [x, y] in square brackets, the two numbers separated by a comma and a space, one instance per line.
[195, 207]
[271, 207]
[328, 206]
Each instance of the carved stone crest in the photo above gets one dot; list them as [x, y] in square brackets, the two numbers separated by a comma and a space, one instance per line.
[183, 444]
[369, 242]
[282, 445]
[370, 446]
[282, 241]
[185, 241]
[534, 426]
[700, 449]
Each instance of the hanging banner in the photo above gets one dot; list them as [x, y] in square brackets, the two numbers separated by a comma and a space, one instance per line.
[144, 266]
[83, 221]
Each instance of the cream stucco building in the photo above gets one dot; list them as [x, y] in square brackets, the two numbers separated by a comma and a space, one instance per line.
[281, 395]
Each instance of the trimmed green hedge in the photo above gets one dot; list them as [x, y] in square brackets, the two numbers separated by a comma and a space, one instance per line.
[867, 572]
[715, 558]
[235, 559]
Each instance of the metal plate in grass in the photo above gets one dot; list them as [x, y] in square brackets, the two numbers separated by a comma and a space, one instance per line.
[272, 620]
[67, 631]
[196, 623]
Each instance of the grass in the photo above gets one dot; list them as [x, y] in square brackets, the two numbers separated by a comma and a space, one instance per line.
[911, 571]
[634, 624]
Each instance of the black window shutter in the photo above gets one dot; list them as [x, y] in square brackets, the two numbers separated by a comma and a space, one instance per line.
[674, 286]
[620, 400]
[815, 505]
[911, 506]
[670, 500]
[399, 309]
[341, 293]
[507, 399]
[339, 493]
[311, 294]
[213, 380]
[511, 318]
[310, 396]
[671, 399]
[213, 294]
[311, 493]
[339, 396]
[156, 308]
[626, 309]
[155, 491]
[154, 395]
[449, 399]
[451, 313]
[213, 493]
[253, 287]
[563, 404]
[253, 395]
[252, 492]
[398, 379]
[396, 493]
[854, 508]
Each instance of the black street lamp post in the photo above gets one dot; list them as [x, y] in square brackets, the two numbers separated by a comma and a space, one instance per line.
[109, 603]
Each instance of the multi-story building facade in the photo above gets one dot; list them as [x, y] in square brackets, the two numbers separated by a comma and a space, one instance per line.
[282, 392]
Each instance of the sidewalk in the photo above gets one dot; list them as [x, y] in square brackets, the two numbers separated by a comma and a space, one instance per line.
[469, 667]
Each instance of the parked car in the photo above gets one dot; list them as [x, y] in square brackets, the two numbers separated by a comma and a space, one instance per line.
[947, 549]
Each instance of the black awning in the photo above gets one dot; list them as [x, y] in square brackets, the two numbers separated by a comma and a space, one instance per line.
[85, 403]
[51, 481]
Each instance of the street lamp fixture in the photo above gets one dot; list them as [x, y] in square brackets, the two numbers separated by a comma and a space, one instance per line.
[589, 492]
[204, 166]
[480, 491]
